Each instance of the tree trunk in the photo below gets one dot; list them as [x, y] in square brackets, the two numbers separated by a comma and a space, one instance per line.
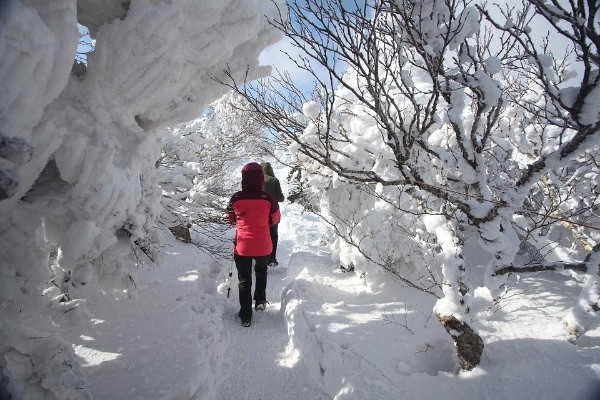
[498, 238]
[581, 267]
[469, 345]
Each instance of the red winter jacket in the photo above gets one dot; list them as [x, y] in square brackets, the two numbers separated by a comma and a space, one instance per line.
[252, 211]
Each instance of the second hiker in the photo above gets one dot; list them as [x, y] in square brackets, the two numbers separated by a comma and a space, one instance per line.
[271, 185]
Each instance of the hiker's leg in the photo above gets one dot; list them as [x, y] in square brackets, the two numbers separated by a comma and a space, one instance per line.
[244, 268]
[274, 239]
[260, 268]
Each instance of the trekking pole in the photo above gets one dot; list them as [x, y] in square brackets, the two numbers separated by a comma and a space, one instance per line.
[229, 288]
[229, 283]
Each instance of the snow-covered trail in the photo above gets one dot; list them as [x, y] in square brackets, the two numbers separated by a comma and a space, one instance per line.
[154, 346]
[325, 335]
[180, 338]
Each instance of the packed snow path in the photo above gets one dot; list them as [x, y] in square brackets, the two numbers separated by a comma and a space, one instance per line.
[180, 338]
[260, 367]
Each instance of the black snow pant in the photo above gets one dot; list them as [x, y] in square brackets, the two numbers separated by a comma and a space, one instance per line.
[244, 268]
[274, 239]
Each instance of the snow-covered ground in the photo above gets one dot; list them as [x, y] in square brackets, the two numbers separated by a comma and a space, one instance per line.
[325, 335]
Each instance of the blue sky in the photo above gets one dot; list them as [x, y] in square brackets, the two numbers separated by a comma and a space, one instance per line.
[274, 56]
[83, 47]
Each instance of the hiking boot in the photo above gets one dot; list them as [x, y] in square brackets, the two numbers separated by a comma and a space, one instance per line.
[246, 318]
[273, 263]
[260, 305]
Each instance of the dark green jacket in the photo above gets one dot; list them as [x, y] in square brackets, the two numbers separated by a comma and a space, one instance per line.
[271, 184]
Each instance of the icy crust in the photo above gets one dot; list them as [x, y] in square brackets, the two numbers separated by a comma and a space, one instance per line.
[35, 363]
[89, 190]
[38, 44]
[29, 373]
[159, 77]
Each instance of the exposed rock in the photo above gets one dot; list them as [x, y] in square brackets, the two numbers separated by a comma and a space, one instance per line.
[182, 233]
[469, 345]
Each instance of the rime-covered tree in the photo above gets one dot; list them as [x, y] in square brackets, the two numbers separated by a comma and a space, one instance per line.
[433, 121]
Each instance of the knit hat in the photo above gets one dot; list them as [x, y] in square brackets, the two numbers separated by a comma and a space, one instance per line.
[252, 177]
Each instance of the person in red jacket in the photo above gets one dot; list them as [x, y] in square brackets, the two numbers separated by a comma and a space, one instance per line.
[252, 211]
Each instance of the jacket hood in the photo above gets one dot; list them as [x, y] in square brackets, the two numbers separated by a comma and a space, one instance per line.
[267, 169]
[252, 177]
